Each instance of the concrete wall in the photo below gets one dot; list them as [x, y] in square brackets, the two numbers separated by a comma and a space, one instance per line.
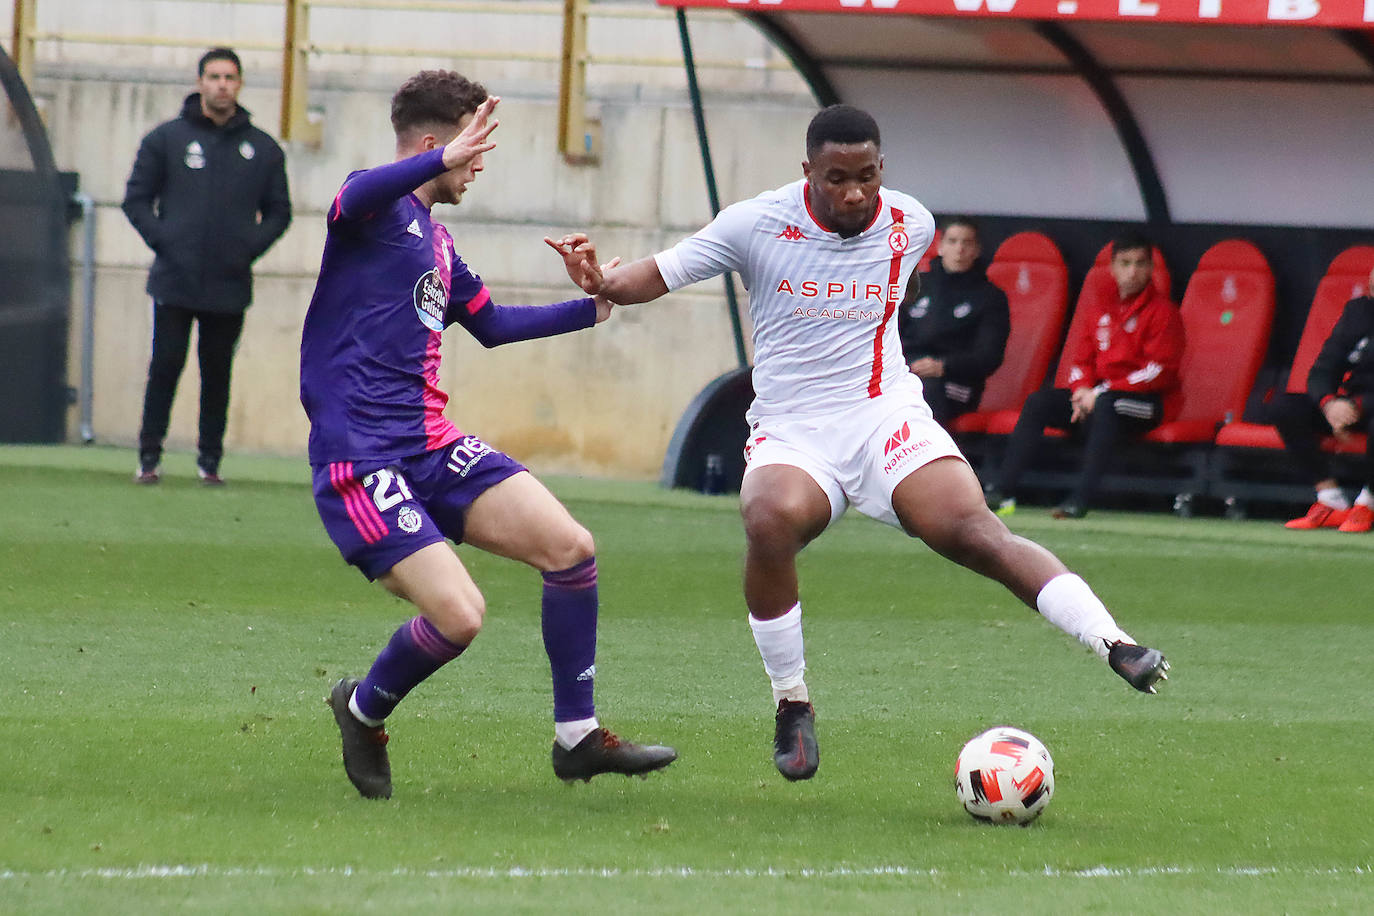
[600, 401]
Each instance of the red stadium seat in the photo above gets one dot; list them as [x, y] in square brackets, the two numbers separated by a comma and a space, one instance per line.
[1030, 270]
[1097, 282]
[1227, 311]
[1345, 279]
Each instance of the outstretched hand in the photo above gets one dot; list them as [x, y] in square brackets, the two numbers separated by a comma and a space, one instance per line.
[473, 140]
[579, 260]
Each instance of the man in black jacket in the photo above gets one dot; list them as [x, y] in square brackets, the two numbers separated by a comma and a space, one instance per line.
[208, 194]
[955, 333]
[1339, 400]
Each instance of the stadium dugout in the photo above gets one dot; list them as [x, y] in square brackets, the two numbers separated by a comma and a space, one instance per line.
[34, 270]
[1197, 121]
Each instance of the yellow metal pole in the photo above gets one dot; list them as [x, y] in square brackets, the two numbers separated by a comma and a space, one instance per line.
[295, 77]
[578, 139]
[25, 17]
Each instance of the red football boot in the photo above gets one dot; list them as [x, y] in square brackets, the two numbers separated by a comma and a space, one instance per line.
[1358, 520]
[1320, 515]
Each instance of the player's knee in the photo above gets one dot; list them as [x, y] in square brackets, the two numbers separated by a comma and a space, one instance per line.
[773, 522]
[576, 546]
[458, 616]
[972, 539]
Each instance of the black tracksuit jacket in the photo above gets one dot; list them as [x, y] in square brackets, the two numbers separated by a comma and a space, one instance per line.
[1345, 365]
[195, 194]
[962, 319]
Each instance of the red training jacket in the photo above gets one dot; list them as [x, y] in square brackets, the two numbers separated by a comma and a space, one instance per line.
[1130, 346]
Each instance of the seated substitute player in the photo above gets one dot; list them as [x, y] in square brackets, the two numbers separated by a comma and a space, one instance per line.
[1336, 403]
[837, 416]
[393, 478]
[955, 334]
[1123, 381]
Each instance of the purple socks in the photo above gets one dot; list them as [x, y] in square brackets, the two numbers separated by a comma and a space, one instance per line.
[416, 651]
[569, 624]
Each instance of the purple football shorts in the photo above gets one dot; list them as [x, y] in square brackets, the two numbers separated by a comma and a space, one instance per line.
[378, 514]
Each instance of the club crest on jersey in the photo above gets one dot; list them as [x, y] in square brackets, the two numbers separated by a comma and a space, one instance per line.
[431, 300]
[897, 238]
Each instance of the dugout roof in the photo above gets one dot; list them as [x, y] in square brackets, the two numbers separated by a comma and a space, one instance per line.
[1243, 111]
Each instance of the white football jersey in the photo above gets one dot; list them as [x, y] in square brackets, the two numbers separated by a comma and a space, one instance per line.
[824, 307]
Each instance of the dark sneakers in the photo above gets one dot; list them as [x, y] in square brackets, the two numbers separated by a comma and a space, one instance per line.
[147, 474]
[603, 752]
[794, 742]
[1140, 667]
[209, 478]
[364, 747]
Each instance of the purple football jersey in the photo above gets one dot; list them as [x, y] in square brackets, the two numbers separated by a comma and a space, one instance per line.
[390, 282]
[370, 347]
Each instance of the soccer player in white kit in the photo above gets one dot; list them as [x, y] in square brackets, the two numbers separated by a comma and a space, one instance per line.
[837, 417]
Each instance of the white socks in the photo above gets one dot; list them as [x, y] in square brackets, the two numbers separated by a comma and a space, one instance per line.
[358, 713]
[1333, 497]
[1365, 498]
[1067, 602]
[780, 643]
[570, 734]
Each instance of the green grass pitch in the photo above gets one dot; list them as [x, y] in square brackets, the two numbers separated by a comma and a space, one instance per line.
[165, 652]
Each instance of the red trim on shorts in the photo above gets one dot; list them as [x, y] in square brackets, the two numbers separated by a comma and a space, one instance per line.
[894, 273]
[361, 511]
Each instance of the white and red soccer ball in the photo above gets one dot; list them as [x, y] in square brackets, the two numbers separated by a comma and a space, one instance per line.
[1005, 776]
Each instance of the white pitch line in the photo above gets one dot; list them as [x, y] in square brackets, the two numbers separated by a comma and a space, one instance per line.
[143, 872]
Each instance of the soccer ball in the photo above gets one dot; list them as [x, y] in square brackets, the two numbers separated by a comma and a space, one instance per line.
[1005, 776]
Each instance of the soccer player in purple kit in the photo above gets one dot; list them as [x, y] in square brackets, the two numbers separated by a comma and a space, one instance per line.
[394, 479]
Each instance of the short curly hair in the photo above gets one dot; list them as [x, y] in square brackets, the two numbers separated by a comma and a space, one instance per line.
[439, 97]
[843, 124]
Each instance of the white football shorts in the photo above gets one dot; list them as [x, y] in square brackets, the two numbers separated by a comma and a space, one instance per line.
[857, 457]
